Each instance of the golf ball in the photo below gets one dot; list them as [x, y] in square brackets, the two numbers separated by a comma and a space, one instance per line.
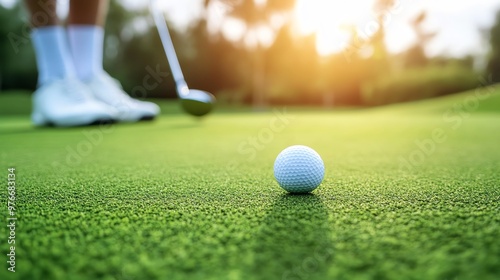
[299, 169]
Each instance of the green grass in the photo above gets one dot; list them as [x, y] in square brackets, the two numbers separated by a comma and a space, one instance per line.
[185, 199]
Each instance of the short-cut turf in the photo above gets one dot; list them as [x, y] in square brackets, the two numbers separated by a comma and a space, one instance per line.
[181, 198]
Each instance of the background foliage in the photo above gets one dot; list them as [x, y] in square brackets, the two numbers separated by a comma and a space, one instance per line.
[287, 72]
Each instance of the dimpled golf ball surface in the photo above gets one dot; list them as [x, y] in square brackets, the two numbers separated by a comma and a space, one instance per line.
[299, 169]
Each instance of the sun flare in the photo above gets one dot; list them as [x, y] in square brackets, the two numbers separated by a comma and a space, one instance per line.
[330, 21]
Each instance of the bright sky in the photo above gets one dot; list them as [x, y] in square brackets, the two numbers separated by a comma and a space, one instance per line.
[458, 22]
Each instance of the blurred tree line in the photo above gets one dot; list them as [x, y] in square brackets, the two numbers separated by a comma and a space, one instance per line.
[288, 71]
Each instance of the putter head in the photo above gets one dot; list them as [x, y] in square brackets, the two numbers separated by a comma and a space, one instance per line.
[198, 102]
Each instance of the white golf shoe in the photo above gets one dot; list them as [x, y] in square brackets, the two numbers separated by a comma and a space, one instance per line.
[109, 91]
[68, 102]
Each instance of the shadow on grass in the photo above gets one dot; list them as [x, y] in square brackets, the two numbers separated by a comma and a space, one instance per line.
[30, 129]
[293, 241]
[23, 130]
[39, 129]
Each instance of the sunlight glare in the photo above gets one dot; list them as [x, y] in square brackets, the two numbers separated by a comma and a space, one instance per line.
[329, 21]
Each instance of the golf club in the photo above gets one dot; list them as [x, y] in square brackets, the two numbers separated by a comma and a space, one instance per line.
[195, 102]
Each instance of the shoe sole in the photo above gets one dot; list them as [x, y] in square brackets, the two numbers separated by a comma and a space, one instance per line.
[93, 123]
[147, 118]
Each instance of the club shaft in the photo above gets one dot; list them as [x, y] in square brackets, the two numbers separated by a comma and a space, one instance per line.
[168, 46]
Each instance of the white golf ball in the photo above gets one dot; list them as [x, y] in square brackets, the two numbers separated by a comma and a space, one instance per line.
[299, 169]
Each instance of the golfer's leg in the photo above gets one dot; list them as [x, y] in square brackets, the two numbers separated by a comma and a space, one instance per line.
[88, 12]
[49, 39]
[86, 37]
[42, 13]
[56, 75]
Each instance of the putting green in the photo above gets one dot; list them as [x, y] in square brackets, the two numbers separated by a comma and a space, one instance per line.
[411, 191]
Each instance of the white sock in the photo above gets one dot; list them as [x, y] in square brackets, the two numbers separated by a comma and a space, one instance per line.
[52, 54]
[86, 44]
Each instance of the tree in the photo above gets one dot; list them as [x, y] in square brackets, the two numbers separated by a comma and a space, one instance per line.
[493, 67]
[415, 56]
[255, 14]
[350, 72]
[17, 59]
[381, 8]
